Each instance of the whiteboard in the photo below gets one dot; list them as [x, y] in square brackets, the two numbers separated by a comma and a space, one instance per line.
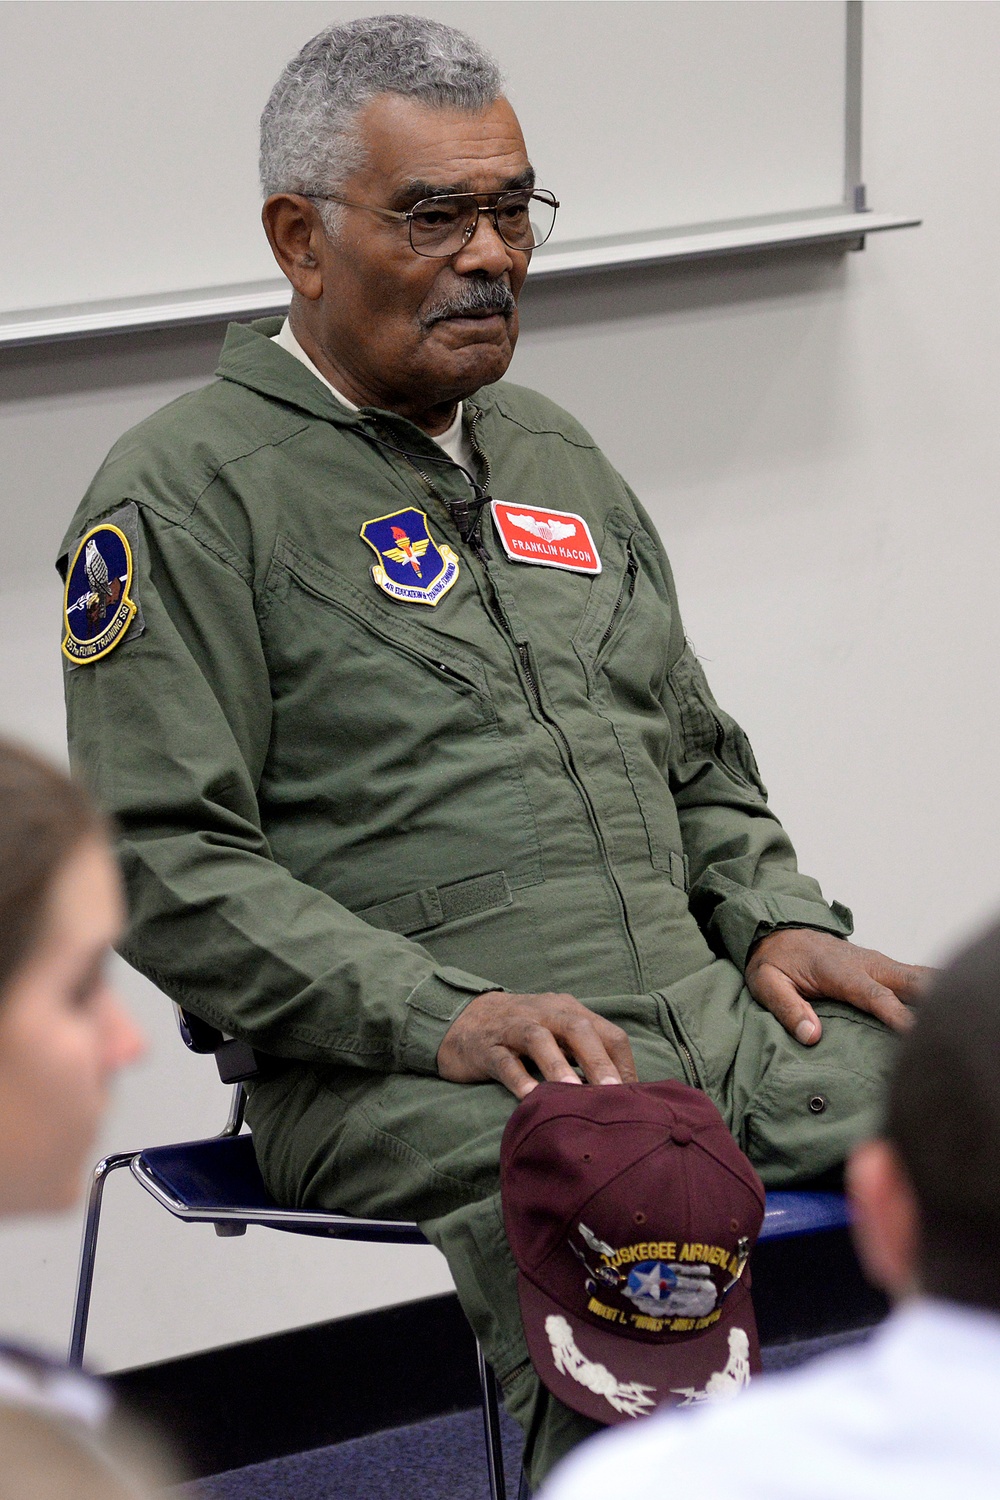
[129, 175]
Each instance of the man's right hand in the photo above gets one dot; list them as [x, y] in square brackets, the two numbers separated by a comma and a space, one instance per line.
[496, 1030]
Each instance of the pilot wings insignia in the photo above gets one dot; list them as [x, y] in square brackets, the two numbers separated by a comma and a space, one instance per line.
[549, 531]
[411, 567]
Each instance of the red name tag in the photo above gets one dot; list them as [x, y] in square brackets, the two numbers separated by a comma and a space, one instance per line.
[550, 538]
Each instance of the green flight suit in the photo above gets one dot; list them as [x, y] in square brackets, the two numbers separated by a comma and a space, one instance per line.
[343, 815]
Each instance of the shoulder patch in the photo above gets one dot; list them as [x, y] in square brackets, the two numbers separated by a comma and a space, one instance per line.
[100, 606]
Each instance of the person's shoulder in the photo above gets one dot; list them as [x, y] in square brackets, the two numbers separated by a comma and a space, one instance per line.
[534, 412]
[171, 459]
[726, 1450]
[631, 1460]
[180, 448]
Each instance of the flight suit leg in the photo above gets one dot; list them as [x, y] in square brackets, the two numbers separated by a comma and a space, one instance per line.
[796, 1111]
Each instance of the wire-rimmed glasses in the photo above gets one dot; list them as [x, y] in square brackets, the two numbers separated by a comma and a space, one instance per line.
[442, 225]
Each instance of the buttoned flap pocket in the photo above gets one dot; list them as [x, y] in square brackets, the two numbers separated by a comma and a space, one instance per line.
[385, 728]
[804, 1108]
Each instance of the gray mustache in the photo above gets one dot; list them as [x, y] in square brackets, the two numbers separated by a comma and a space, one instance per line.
[473, 297]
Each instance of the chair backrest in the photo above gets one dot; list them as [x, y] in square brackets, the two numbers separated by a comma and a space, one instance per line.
[235, 1060]
[196, 1034]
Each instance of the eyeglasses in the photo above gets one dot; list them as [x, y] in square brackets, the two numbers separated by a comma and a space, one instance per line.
[441, 226]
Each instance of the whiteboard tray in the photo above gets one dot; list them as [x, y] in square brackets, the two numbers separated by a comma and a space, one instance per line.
[220, 303]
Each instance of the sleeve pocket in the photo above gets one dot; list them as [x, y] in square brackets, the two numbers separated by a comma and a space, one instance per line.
[706, 729]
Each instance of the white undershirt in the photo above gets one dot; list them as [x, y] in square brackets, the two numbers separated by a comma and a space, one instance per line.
[454, 440]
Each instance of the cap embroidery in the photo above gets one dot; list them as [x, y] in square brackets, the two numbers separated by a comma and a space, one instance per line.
[628, 1397]
[670, 1284]
[668, 1290]
[724, 1383]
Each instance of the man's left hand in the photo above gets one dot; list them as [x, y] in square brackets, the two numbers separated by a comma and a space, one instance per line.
[794, 965]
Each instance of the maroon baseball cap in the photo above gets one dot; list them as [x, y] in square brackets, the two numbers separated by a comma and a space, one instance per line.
[631, 1212]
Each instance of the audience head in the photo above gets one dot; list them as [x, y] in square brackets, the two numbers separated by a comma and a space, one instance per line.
[925, 1196]
[63, 1031]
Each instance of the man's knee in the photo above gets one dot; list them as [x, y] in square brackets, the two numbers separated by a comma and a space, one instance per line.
[806, 1107]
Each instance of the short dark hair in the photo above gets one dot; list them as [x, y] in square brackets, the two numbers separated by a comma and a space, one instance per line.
[44, 817]
[943, 1117]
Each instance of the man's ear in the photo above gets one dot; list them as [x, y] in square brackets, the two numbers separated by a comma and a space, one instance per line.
[885, 1220]
[293, 227]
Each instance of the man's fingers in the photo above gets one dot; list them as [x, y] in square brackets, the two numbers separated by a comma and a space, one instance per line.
[858, 987]
[498, 1032]
[511, 1072]
[620, 1050]
[908, 981]
[589, 1048]
[545, 1052]
[882, 1003]
[776, 992]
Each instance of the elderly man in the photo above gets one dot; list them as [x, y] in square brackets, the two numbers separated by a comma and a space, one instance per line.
[912, 1413]
[378, 664]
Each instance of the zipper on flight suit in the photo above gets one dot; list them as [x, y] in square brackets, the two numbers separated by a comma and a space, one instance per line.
[476, 536]
[523, 654]
[693, 1071]
[523, 650]
[676, 1036]
[475, 540]
[627, 584]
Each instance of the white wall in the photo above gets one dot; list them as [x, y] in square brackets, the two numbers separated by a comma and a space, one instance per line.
[817, 438]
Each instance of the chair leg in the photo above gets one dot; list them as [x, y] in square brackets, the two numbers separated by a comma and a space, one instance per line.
[88, 1252]
[491, 1425]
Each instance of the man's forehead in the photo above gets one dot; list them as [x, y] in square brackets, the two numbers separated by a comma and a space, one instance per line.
[412, 148]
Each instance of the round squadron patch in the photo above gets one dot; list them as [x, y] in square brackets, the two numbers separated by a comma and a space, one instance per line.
[411, 567]
[98, 605]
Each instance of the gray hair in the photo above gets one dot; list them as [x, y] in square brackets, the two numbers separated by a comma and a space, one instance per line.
[308, 136]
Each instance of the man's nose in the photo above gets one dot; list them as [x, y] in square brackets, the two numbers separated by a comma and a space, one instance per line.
[485, 250]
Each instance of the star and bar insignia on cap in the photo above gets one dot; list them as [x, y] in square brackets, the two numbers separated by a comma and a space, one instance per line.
[411, 568]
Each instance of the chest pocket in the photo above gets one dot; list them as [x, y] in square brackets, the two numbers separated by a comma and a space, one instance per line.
[386, 771]
[624, 645]
[624, 638]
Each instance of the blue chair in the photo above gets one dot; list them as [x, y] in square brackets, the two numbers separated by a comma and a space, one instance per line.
[217, 1181]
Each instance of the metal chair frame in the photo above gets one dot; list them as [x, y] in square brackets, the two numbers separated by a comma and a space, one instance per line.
[229, 1222]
